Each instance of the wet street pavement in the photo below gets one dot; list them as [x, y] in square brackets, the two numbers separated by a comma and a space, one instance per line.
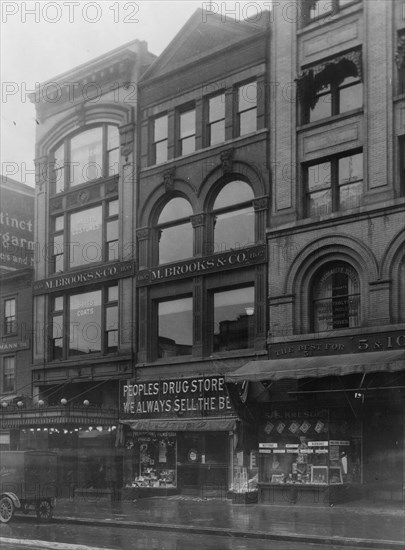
[26, 534]
[181, 523]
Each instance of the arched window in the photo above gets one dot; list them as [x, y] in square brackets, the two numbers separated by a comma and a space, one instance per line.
[175, 232]
[335, 298]
[90, 155]
[233, 217]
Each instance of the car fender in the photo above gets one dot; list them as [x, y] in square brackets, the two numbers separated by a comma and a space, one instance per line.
[14, 498]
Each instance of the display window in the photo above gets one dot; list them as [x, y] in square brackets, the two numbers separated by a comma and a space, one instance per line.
[309, 447]
[154, 458]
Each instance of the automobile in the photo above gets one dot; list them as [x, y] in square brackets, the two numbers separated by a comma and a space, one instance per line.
[28, 481]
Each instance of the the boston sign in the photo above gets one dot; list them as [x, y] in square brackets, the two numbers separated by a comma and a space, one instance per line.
[208, 264]
[98, 274]
[192, 397]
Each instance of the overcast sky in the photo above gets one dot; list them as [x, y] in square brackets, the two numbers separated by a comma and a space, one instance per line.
[40, 40]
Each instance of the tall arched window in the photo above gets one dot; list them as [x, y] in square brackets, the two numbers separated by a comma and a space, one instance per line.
[233, 217]
[335, 297]
[87, 156]
[175, 232]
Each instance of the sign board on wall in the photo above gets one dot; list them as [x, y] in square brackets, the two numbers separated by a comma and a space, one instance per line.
[190, 398]
[16, 224]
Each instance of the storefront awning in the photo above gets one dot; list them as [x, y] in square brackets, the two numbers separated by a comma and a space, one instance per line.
[187, 425]
[318, 367]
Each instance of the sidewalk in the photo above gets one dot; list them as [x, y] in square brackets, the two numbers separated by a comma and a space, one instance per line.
[364, 524]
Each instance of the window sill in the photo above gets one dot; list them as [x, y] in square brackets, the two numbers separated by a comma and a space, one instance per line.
[330, 120]
[84, 185]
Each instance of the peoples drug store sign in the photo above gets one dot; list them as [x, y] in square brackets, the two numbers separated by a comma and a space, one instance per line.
[191, 397]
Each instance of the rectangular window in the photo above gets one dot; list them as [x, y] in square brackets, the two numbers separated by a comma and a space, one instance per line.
[87, 324]
[247, 108]
[400, 61]
[160, 139]
[58, 248]
[335, 184]
[85, 236]
[216, 119]
[10, 318]
[8, 374]
[112, 230]
[233, 315]
[187, 132]
[402, 164]
[338, 96]
[175, 327]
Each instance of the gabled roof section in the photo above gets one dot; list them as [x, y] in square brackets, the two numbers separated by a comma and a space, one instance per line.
[203, 34]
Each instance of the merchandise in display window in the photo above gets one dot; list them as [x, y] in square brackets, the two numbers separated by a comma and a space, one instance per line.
[309, 447]
[155, 455]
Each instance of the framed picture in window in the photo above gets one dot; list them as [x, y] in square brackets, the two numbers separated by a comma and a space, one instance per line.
[335, 475]
[319, 475]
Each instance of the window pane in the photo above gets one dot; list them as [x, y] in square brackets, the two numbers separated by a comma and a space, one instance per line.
[217, 132]
[113, 162]
[247, 96]
[320, 203]
[112, 293]
[187, 124]
[235, 192]
[113, 137]
[10, 324]
[351, 98]
[58, 255]
[188, 145]
[351, 168]
[112, 230]
[59, 169]
[176, 243]
[319, 8]
[322, 108]
[175, 319]
[234, 229]
[216, 108]
[57, 337]
[161, 152]
[176, 209]
[86, 156]
[350, 195]
[112, 252]
[160, 131]
[59, 223]
[86, 236]
[85, 323]
[247, 122]
[319, 176]
[113, 208]
[234, 319]
[9, 374]
[58, 303]
[112, 327]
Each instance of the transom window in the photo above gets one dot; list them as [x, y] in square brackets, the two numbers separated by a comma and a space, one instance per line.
[86, 236]
[88, 156]
[175, 327]
[9, 374]
[175, 232]
[233, 217]
[247, 108]
[336, 298]
[160, 139]
[216, 119]
[187, 132]
[334, 184]
[10, 319]
[84, 323]
[332, 88]
[233, 312]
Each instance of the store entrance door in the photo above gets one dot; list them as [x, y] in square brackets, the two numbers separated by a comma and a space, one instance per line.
[203, 462]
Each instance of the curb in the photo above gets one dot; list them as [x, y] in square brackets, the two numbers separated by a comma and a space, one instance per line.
[223, 531]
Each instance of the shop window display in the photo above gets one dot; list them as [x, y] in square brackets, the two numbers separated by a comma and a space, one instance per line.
[304, 448]
[156, 460]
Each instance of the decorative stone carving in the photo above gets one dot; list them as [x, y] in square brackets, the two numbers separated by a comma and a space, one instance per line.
[168, 179]
[227, 160]
[260, 203]
[143, 233]
[198, 220]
